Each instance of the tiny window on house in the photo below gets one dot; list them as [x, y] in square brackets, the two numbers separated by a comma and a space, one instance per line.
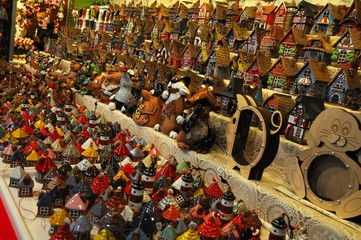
[43, 210]
[287, 50]
[339, 84]
[342, 56]
[25, 191]
[326, 14]
[307, 72]
[353, 13]
[276, 81]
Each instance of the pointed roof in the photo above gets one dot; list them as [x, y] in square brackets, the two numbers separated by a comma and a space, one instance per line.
[311, 105]
[298, 34]
[171, 214]
[310, 10]
[63, 233]
[26, 181]
[289, 64]
[19, 133]
[33, 156]
[71, 151]
[351, 77]
[77, 203]
[356, 4]
[81, 225]
[337, 11]
[90, 152]
[45, 165]
[58, 218]
[356, 38]
[325, 39]
[213, 190]
[251, 11]
[239, 33]
[276, 32]
[264, 63]
[319, 70]
[45, 200]
[99, 209]
[17, 173]
[194, 50]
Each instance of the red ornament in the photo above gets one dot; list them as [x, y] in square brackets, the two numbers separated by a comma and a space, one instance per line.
[100, 184]
[209, 229]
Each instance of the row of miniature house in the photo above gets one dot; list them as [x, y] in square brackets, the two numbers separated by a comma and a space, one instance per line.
[330, 19]
[342, 50]
[311, 75]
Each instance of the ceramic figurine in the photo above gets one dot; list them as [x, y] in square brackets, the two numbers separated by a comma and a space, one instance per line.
[196, 133]
[279, 228]
[95, 86]
[111, 83]
[124, 94]
[148, 112]
[139, 83]
[173, 107]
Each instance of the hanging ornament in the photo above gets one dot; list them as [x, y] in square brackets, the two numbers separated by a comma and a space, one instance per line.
[75, 13]
[60, 16]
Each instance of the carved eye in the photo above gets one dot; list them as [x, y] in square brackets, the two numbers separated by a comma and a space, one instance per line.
[203, 86]
[346, 128]
[335, 126]
[210, 88]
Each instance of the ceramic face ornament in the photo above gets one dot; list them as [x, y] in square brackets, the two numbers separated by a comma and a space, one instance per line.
[111, 83]
[173, 107]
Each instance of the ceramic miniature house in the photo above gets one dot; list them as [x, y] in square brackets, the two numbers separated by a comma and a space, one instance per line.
[236, 37]
[251, 45]
[258, 70]
[292, 43]
[15, 176]
[328, 18]
[270, 42]
[57, 220]
[282, 74]
[81, 228]
[97, 211]
[301, 116]
[352, 18]
[71, 154]
[189, 56]
[26, 185]
[204, 13]
[284, 15]
[76, 206]
[175, 54]
[347, 48]
[318, 47]
[303, 19]
[313, 78]
[45, 204]
[278, 101]
[246, 19]
[265, 16]
[344, 86]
